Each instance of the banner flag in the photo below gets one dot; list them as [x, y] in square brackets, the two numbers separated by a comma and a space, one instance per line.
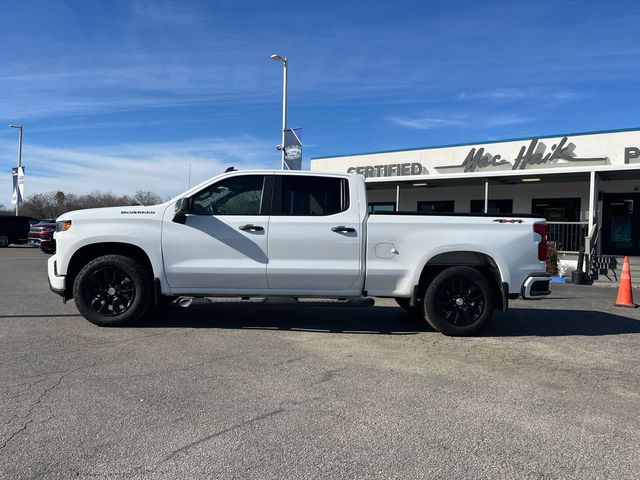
[17, 195]
[293, 149]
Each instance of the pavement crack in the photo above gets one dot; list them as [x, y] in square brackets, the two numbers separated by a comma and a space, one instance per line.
[27, 418]
[290, 360]
[221, 432]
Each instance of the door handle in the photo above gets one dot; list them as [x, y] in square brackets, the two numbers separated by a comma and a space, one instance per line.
[342, 229]
[251, 228]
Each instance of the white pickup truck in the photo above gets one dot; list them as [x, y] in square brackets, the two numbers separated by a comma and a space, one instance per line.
[295, 234]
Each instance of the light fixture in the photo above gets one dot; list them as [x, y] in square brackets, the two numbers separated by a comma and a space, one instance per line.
[420, 184]
[531, 179]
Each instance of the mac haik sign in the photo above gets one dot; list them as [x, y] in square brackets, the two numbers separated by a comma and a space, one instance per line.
[535, 154]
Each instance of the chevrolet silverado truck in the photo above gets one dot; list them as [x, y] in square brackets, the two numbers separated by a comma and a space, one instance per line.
[295, 234]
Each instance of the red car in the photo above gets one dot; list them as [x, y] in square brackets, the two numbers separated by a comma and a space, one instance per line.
[41, 234]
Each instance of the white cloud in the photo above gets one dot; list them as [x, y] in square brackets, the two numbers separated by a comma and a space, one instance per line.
[159, 167]
[463, 120]
[169, 14]
[512, 94]
[503, 119]
[427, 123]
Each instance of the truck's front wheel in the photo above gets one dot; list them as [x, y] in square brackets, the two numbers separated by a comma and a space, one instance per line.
[112, 290]
[458, 301]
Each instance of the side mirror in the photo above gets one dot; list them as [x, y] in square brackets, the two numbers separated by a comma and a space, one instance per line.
[183, 206]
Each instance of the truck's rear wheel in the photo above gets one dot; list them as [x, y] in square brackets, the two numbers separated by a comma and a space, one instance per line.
[458, 301]
[112, 290]
[4, 241]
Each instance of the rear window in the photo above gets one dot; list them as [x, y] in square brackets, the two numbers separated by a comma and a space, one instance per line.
[313, 196]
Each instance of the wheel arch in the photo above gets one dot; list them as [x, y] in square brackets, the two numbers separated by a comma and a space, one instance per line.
[481, 261]
[88, 252]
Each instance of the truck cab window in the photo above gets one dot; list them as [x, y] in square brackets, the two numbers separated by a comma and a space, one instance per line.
[313, 196]
[240, 195]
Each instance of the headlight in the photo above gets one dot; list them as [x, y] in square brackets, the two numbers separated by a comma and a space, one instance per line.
[63, 225]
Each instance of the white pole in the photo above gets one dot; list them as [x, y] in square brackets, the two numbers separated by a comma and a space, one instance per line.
[486, 196]
[19, 127]
[593, 199]
[284, 106]
[397, 197]
[20, 149]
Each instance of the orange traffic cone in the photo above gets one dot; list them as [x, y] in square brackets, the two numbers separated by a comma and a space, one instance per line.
[625, 295]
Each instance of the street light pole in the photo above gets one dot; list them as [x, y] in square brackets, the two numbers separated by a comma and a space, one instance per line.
[19, 127]
[285, 64]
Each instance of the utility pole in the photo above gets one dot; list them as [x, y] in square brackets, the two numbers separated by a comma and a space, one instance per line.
[285, 64]
[19, 127]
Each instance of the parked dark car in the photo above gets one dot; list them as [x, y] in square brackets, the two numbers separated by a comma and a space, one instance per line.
[41, 234]
[15, 229]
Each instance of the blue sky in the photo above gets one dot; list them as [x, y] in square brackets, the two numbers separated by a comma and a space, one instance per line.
[121, 95]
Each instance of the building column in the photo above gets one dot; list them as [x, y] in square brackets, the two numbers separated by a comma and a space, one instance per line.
[486, 196]
[594, 181]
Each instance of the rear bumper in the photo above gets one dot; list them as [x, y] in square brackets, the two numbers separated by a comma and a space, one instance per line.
[536, 286]
[57, 283]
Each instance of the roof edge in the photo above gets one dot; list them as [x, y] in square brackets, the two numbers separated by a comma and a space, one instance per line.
[433, 147]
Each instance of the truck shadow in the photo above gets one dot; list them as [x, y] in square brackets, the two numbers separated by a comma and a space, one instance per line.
[516, 322]
[293, 317]
[520, 322]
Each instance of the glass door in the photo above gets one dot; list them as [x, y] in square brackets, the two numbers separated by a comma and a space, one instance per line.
[621, 224]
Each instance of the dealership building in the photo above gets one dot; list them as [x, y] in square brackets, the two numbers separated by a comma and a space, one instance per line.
[587, 185]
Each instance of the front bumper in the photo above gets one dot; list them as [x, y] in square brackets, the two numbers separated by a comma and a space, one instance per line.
[57, 283]
[536, 286]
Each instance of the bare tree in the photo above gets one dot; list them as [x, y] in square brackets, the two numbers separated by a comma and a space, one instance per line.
[54, 204]
[5, 211]
[147, 198]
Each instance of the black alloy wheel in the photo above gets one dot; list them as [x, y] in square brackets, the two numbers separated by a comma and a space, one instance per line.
[459, 301]
[109, 291]
[113, 290]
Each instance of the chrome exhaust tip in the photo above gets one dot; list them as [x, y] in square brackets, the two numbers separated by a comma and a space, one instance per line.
[185, 302]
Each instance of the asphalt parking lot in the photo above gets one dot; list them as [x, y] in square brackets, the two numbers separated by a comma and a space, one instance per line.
[280, 390]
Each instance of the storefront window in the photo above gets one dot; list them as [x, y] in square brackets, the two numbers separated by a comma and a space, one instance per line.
[382, 207]
[557, 209]
[436, 206]
[495, 206]
[620, 224]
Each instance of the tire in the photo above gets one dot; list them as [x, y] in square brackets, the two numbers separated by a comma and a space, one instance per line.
[48, 250]
[4, 241]
[404, 303]
[459, 301]
[113, 291]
